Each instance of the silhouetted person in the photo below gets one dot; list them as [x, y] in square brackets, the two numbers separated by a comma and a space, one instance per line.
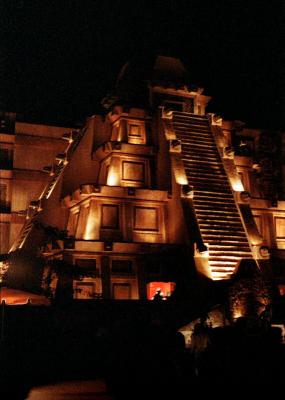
[200, 342]
[158, 296]
[265, 317]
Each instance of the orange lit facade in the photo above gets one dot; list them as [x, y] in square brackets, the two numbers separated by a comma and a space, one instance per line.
[25, 148]
[145, 192]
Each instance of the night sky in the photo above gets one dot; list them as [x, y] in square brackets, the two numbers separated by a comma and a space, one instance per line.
[59, 58]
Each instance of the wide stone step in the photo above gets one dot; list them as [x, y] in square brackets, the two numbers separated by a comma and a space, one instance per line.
[185, 114]
[188, 151]
[195, 136]
[201, 213]
[217, 213]
[195, 174]
[226, 263]
[198, 133]
[216, 228]
[202, 167]
[226, 235]
[237, 254]
[213, 200]
[191, 125]
[197, 192]
[228, 242]
[205, 175]
[229, 216]
[203, 217]
[202, 143]
[205, 178]
[199, 205]
[223, 263]
[224, 259]
[220, 230]
[222, 273]
[232, 217]
[189, 158]
[206, 181]
[199, 170]
[219, 261]
[237, 239]
[215, 196]
[199, 186]
[220, 225]
[209, 216]
[199, 182]
[193, 132]
[223, 270]
[229, 248]
[205, 184]
[202, 147]
[196, 152]
[207, 168]
[218, 178]
[191, 121]
[221, 276]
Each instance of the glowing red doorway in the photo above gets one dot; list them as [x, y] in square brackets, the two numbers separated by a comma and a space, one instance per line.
[166, 289]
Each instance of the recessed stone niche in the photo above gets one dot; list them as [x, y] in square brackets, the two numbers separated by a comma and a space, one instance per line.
[136, 133]
[133, 172]
[110, 216]
[146, 219]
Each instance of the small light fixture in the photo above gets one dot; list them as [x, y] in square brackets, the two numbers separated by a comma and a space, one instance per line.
[35, 205]
[203, 249]
[187, 191]
[96, 189]
[131, 191]
[256, 167]
[69, 136]
[263, 251]
[108, 245]
[229, 152]
[62, 158]
[175, 145]
[49, 169]
[245, 196]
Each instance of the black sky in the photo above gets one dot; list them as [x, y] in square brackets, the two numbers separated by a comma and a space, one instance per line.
[59, 58]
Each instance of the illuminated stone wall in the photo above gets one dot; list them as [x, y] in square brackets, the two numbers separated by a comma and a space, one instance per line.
[259, 158]
[30, 147]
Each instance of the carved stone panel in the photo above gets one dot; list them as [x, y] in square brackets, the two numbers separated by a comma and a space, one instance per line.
[136, 133]
[121, 291]
[146, 219]
[110, 216]
[280, 227]
[133, 171]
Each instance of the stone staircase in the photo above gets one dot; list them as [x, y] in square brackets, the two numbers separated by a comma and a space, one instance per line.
[216, 211]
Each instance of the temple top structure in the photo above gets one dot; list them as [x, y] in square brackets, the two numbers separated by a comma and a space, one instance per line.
[155, 82]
